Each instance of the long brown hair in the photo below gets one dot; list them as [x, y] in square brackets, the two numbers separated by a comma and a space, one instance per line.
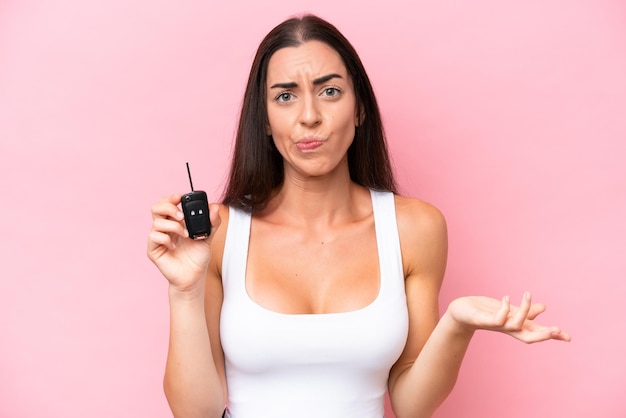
[257, 166]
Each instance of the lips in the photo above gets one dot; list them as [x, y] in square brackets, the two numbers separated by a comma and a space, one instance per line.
[309, 144]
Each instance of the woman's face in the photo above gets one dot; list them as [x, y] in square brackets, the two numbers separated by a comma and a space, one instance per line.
[311, 109]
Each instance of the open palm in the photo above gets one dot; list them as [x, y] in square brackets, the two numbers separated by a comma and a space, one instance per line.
[480, 312]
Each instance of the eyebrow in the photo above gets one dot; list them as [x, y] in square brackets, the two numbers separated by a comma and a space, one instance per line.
[319, 80]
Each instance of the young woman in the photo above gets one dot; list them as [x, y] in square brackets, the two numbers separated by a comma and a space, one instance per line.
[317, 290]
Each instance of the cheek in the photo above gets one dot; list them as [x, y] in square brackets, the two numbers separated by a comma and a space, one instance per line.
[344, 119]
[276, 122]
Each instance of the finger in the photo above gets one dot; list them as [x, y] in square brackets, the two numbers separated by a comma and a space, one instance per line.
[521, 314]
[535, 310]
[503, 312]
[159, 239]
[214, 216]
[166, 209]
[558, 334]
[169, 227]
[173, 198]
[542, 334]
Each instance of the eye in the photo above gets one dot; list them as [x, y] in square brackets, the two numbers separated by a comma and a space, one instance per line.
[284, 97]
[331, 92]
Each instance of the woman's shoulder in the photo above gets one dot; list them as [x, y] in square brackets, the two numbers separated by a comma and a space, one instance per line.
[417, 215]
[423, 234]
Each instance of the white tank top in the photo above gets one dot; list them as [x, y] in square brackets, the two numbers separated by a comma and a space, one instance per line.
[332, 365]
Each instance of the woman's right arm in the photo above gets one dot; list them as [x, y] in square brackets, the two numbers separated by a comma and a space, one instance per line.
[194, 381]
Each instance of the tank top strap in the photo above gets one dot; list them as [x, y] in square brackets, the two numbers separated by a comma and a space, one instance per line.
[387, 238]
[235, 256]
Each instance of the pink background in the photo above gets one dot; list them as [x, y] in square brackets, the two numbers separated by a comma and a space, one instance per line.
[508, 116]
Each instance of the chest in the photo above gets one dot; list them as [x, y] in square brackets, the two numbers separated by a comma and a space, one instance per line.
[300, 271]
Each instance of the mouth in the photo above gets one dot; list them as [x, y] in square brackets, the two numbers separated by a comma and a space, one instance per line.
[309, 144]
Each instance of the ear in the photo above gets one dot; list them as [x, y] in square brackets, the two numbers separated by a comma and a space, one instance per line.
[268, 130]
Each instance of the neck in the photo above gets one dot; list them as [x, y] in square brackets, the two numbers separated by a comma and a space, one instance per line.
[316, 202]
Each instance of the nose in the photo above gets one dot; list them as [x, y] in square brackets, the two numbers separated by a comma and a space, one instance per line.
[310, 112]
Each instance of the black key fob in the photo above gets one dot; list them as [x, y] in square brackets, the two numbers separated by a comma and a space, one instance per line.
[196, 210]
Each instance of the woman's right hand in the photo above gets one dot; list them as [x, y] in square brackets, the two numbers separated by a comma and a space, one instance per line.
[181, 260]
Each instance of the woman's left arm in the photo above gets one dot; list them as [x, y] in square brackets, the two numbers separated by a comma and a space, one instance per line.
[427, 370]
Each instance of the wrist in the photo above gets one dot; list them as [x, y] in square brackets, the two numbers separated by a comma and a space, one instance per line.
[189, 294]
[454, 326]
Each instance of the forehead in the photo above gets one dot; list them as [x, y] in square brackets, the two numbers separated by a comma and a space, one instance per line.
[311, 58]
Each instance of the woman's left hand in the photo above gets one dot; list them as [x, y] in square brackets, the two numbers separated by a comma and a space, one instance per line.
[480, 312]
